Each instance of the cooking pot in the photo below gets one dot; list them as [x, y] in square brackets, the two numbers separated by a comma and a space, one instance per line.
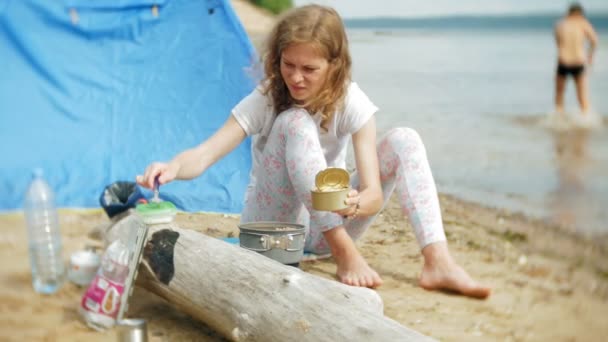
[280, 241]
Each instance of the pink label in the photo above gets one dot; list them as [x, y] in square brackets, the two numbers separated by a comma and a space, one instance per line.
[103, 297]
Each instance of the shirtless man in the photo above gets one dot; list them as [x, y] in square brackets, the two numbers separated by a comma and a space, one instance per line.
[571, 34]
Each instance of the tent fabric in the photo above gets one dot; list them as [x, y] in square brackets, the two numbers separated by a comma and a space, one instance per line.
[92, 91]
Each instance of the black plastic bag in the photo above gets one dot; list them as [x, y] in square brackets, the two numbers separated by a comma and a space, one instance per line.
[118, 197]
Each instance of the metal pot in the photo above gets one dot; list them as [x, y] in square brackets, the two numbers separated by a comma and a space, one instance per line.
[132, 330]
[280, 241]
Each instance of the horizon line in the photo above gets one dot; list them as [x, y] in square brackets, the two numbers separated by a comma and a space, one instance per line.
[474, 15]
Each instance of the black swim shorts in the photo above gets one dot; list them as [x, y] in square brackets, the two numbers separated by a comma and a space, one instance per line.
[574, 70]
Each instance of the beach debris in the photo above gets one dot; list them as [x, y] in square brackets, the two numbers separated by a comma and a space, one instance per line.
[512, 236]
[522, 260]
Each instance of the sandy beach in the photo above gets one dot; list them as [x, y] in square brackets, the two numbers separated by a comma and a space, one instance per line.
[548, 283]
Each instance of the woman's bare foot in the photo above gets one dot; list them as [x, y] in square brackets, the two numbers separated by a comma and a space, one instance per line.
[352, 268]
[440, 272]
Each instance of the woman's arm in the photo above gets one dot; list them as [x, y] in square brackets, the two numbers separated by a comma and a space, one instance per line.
[366, 157]
[193, 162]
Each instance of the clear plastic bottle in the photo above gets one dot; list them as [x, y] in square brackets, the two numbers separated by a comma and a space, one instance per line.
[44, 236]
[101, 302]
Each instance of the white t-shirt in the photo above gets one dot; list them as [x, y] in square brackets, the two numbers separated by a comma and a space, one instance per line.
[255, 114]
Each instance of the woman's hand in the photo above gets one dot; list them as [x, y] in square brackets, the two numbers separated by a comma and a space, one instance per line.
[165, 172]
[353, 201]
[192, 162]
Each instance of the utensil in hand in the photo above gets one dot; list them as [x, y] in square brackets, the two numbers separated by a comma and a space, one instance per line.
[156, 198]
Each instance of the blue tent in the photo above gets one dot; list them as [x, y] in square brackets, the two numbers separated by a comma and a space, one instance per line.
[92, 91]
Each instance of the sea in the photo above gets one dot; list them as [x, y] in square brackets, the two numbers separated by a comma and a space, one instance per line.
[480, 90]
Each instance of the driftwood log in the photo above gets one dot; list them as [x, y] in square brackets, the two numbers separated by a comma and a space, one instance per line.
[246, 296]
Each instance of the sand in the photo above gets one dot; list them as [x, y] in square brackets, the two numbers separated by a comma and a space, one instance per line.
[548, 284]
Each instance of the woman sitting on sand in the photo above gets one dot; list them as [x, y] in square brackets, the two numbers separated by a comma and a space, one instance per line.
[302, 117]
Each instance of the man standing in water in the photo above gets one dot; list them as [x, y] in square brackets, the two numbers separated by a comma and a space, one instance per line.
[571, 34]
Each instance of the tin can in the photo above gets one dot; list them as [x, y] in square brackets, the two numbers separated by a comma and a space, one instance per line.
[332, 178]
[330, 200]
[83, 267]
[332, 188]
[132, 330]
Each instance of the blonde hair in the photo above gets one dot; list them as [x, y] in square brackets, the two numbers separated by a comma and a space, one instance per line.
[323, 28]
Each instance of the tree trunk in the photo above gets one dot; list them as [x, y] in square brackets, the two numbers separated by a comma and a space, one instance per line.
[246, 296]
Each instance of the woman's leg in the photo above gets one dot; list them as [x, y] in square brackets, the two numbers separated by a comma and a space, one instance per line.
[403, 160]
[290, 162]
[291, 159]
[404, 167]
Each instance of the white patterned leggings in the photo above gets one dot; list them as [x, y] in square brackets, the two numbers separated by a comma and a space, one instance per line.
[293, 156]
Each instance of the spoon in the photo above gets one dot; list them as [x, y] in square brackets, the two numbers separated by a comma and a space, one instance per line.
[156, 198]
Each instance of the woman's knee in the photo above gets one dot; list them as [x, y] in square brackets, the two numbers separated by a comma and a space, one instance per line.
[404, 137]
[294, 118]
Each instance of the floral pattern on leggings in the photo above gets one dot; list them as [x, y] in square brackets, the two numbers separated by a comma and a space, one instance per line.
[291, 159]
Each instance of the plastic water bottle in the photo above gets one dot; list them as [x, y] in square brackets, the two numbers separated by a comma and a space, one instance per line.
[102, 301]
[44, 236]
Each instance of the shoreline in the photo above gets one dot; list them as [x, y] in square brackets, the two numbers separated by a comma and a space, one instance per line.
[535, 235]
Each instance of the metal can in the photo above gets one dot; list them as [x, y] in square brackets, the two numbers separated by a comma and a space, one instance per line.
[83, 267]
[332, 188]
[332, 178]
[132, 330]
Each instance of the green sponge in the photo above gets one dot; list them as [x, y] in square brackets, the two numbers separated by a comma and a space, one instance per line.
[156, 212]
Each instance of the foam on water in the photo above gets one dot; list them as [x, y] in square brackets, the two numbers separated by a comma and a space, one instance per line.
[569, 121]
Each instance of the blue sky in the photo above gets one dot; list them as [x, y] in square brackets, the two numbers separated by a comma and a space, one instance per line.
[418, 8]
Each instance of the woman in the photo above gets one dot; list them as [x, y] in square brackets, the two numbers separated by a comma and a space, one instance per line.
[302, 117]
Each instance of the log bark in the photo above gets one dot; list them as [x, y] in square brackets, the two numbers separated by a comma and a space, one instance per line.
[246, 296]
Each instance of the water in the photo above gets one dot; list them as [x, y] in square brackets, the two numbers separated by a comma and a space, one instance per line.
[479, 93]
[47, 275]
